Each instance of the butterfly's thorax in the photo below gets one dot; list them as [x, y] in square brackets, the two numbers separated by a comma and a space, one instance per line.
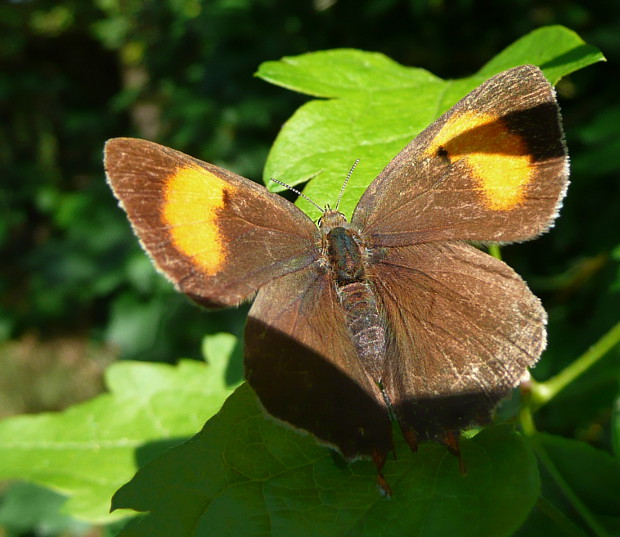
[346, 257]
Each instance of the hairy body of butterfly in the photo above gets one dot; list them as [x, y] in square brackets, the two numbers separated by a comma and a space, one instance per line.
[346, 257]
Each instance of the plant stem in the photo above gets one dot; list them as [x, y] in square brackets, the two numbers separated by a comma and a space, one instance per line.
[566, 526]
[575, 501]
[527, 421]
[495, 251]
[543, 392]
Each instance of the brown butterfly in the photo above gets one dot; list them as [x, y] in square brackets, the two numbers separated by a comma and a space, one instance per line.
[390, 316]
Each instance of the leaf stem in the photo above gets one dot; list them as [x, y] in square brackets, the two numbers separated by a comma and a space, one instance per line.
[543, 392]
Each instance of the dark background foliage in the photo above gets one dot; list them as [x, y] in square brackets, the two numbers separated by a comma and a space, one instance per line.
[75, 289]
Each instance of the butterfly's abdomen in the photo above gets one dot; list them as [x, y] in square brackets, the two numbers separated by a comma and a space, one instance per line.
[366, 329]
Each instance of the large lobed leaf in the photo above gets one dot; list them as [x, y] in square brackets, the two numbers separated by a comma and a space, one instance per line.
[247, 475]
[375, 106]
[88, 451]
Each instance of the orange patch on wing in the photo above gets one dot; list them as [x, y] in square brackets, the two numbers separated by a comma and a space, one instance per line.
[193, 196]
[499, 159]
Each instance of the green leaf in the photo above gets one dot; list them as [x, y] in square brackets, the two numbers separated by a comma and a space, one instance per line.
[343, 73]
[244, 474]
[28, 508]
[376, 106]
[557, 50]
[580, 493]
[615, 426]
[91, 449]
[224, 352]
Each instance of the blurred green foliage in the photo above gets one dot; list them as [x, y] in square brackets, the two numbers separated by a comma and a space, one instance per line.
[180, 72]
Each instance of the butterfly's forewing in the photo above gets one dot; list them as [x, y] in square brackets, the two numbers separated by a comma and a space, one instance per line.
[464, 326]
[217, 236]
[301, 363]
[220, 238]
[492, 168]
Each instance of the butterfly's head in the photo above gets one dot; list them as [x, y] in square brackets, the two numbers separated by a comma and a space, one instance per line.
[331, 218]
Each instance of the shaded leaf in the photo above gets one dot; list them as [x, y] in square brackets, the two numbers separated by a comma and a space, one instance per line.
[580, 490]
[244, 474]
[26, 507]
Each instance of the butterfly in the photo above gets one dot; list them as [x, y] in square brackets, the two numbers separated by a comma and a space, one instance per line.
[394, 315]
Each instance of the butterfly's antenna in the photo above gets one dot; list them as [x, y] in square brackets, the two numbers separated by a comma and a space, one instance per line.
[289, 187]
[346, 180]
